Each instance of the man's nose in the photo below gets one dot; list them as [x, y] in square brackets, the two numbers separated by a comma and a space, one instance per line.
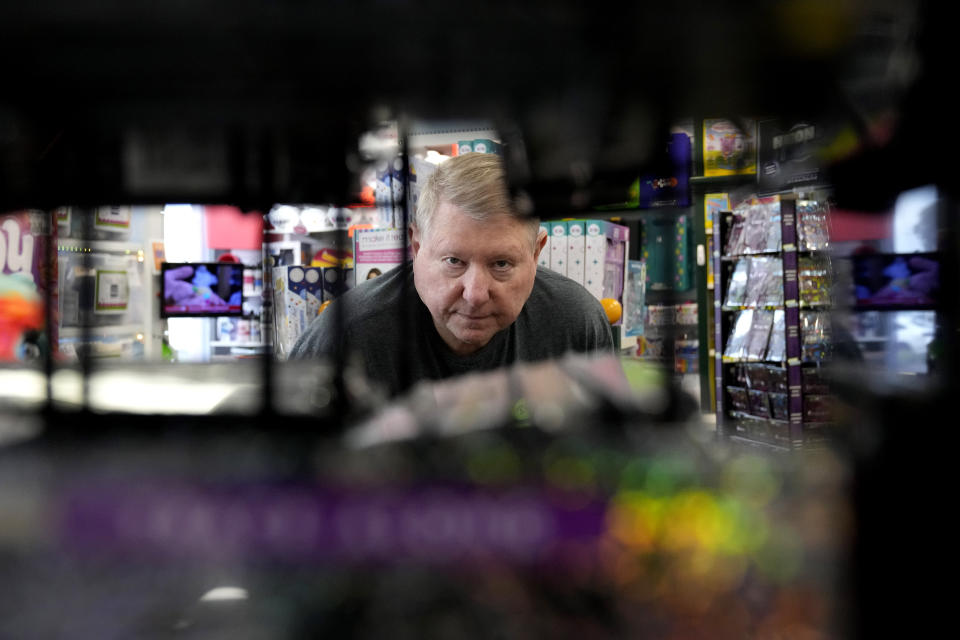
[476, 286]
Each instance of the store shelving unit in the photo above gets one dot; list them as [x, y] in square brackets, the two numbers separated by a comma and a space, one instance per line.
[135, 332]
[778, 403]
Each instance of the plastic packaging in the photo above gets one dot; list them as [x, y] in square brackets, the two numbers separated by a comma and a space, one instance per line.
[758, 377]
[778, 406]
[737, 289]
[759, 336]
[739, 400]
[815, 335]
[759, 406]
[812, 225]
[737, 342]
[777, 346]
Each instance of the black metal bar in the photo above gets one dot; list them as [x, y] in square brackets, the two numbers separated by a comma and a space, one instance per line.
[49, 317]
[409, 345]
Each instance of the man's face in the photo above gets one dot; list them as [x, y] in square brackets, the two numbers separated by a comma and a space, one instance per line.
[474, 276]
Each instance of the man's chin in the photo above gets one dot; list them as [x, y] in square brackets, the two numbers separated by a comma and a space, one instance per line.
[472, 340]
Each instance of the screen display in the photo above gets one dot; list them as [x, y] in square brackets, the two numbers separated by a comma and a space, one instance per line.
[191, 289]
[896, 280]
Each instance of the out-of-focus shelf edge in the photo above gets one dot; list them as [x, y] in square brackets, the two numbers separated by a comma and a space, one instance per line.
[853, 381]
[102, 331]
[759, 444]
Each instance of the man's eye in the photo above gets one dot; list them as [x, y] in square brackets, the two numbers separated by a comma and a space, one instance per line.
[501, 264]
[453, 262]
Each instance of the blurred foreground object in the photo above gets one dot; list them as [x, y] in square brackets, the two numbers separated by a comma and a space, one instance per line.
[547, 500]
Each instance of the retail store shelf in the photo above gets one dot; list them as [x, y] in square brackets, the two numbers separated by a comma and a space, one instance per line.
[105, 330]
[106, 246]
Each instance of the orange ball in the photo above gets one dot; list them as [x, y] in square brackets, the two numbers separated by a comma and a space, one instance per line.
[613, 309]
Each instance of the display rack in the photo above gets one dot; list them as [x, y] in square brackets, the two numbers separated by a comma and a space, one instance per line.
[711, 179]
[775, 401]
[127, 325]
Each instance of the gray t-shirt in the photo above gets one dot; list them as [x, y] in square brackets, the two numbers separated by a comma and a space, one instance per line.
[386, 322]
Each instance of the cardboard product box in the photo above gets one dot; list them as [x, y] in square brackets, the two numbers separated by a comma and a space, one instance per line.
[298, 294]
[544, 259]
[558, 247]
[336, 280]
[605, 257]
[729, 148]
[634, 298]
[375, 251]
[484, 145]
[576, 246]
[789, 154]
[666, 247]
[462, 147]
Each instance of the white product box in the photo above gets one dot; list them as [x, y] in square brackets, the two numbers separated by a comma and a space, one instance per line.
[297, 295]
[576, 246]
[375, 251]
[544, 258]
[605, 257]
[558, 247]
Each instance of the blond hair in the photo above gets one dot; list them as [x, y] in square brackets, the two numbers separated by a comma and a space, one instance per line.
[474, 183]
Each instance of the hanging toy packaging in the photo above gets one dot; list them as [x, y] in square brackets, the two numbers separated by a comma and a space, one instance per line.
[27, 278]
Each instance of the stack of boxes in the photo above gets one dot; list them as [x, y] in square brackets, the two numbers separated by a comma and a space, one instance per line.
[591, 252]
[298, 292]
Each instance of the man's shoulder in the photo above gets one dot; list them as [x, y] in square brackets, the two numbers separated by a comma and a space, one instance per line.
[374, 295]
[368, 310]
[562, 315]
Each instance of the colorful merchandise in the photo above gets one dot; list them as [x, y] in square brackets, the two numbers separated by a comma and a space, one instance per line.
[635, 298]
[739, 400]
[778, 406]
[713, 204]
[686, 313]
[729, 149]
[814, 278]
[737, 289]
[668, 182]
[376, 251]
[757, 376]
[812, 225]
[759, 336]
[739, 334]
[759, 404]
[297, 295]
[777, 347]
[765, 283]
[27, 277]
[666, 249]
[604, 257]
[814, 335]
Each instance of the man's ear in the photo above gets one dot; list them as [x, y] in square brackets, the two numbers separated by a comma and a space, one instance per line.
[541, 242]
[413, 234]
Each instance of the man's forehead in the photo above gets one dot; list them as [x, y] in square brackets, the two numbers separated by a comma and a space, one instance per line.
[455, 214]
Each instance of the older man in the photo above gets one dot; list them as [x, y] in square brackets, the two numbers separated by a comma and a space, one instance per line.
[473, 298]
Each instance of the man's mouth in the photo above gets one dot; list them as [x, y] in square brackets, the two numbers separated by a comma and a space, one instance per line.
[471, 316]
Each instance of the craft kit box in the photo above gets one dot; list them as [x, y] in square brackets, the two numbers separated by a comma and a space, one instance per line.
[543, 260]
[297, 296]
[605, 257]
[377, 250]
[576, 250]
[558, 247]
